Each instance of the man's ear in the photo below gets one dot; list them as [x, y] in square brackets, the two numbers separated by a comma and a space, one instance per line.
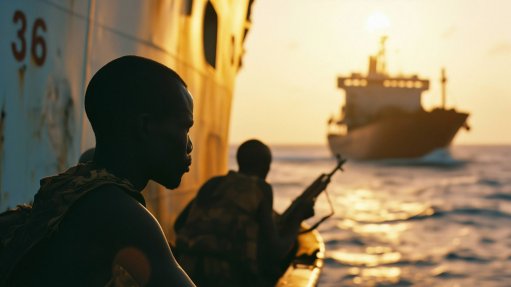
[143, 126]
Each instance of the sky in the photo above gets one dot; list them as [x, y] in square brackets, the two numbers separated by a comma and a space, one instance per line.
[296, 49]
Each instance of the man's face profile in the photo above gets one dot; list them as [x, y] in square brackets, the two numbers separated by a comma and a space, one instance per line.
[170, 145]
[141, 113]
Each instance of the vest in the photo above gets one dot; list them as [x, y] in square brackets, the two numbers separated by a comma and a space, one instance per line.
[55, 198]
[217, 245]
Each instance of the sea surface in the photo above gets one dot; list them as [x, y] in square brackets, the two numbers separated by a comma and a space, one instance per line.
[442, 220]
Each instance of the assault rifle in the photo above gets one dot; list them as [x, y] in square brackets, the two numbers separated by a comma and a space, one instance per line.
[313, 191]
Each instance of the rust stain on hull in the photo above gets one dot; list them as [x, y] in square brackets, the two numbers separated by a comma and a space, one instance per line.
[21, 76]
[59, 119]
[3, 196]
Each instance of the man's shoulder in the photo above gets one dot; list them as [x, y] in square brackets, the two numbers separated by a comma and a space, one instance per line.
[215, 180]
[211, 184]
[110, 196]
[109, 207]
[244, 179]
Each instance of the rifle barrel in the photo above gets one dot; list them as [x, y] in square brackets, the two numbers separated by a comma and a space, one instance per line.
[340, 162]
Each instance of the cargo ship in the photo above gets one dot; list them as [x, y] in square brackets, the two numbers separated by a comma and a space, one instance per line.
[50, 50]
[383, 117]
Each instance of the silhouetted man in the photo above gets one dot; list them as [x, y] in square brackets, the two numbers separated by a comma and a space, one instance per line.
[227, 235]
[89, 226]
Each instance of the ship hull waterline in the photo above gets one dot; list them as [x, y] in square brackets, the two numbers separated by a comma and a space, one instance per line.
[406, 135]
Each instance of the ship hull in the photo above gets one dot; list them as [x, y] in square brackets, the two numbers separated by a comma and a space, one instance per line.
[407, 135]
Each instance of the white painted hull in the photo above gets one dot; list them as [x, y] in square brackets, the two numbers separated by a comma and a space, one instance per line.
[44, 128]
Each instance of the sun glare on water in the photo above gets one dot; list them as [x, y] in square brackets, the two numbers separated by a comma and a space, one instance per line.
[377, 22]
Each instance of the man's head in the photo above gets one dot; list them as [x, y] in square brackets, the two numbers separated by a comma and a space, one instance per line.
[254, 157]
[141, 112]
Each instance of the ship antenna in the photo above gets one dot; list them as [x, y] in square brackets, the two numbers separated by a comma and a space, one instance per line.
[443, 80]
[382, 68]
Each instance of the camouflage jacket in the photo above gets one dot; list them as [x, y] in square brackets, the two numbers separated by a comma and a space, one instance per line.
[55, 198]
[218, 242]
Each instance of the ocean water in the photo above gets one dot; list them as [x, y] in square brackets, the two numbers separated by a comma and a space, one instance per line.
[442, 220]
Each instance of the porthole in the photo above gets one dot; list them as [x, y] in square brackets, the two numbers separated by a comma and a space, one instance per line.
[187, 7]
[210, 32]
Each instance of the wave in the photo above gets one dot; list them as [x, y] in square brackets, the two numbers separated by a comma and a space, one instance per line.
[440, 158]
[425, 213]
[479, 212]
[459, 255]
[486, 240]
[450, 275]
[499, 196]
[303, 159]
[343, 242]
[379, 279]
[332, 262]
[489, 182]
[416, 262]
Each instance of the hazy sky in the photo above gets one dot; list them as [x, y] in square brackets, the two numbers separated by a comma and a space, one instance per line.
[287, 90]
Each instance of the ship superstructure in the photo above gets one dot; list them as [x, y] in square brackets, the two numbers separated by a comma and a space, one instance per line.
[383, 116]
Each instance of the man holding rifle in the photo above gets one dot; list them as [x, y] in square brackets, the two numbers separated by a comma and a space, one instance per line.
[227, 235]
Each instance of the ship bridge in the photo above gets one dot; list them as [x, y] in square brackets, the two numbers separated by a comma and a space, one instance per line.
[376, 94]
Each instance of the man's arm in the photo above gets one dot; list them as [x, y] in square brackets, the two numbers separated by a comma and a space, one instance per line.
[278, 240]
[119, 230]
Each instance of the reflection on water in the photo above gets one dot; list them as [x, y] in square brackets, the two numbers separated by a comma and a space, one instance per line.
[385, 232]
[367, 215]
[373, 276]
[399, 225]
[363, 205]
[367, 258]
[383, 220]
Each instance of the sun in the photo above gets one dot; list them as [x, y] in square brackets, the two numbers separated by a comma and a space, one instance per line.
[377, 22]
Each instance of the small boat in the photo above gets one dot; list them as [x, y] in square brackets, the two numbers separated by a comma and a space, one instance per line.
[305, 266]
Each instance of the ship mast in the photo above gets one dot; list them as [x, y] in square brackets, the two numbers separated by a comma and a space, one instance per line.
[382, 63]
[377, 63]
[443, 80]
